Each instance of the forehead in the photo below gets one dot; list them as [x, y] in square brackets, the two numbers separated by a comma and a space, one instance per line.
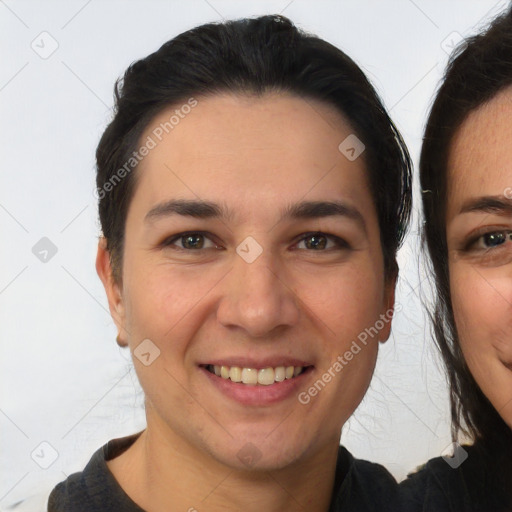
[251, 151]
[480, 158]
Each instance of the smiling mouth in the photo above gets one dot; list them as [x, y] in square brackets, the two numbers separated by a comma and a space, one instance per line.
[253, 376]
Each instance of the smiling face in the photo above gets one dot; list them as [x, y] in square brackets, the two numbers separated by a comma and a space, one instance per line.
[252, 252]
[479, 237]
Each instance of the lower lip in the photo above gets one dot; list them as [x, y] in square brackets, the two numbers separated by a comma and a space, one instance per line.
[247, 394]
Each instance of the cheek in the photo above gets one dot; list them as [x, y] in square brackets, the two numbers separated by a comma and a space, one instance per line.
[347, 297]
[352, 310]
[482, 304]
[162, 300]
[169, 304]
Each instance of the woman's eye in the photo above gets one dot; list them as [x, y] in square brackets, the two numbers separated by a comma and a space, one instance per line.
[320, 241]
[491, 240]
[190, 241]
[489, 249]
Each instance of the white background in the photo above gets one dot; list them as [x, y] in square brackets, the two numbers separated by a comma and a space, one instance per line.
[63, 378]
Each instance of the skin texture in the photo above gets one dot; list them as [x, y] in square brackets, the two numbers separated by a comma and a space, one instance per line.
[480, 248]
[254, 156]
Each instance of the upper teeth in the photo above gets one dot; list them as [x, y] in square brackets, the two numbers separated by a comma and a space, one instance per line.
[265, 376]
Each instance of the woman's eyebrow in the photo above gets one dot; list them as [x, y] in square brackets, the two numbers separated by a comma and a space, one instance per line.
[488, 204]
[206, 209]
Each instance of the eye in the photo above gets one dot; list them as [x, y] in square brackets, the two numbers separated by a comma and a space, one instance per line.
[190, 242]
[196, 241]
[489, 247]
[319, 241]
[491, 240]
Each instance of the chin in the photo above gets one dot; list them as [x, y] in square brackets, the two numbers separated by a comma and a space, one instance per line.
[259, 454]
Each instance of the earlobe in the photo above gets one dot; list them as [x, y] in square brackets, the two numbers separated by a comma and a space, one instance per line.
[112, 289]
[121, 341]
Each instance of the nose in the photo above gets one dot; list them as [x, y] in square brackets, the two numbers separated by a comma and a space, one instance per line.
[257, 298]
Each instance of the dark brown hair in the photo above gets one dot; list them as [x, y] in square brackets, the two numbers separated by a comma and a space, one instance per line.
[250, 56]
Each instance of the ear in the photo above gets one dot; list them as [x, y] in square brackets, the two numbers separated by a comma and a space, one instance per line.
[112, 289]
[388, 305]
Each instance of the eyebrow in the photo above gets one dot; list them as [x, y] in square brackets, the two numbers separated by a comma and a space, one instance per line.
[499, 205]
[200, 209]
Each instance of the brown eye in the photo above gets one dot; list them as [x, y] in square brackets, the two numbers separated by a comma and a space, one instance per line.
[193, 241]
[320, 241]
[316, 242]
[190, 242]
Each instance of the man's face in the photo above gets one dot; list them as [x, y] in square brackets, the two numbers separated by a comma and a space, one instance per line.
[261, 284]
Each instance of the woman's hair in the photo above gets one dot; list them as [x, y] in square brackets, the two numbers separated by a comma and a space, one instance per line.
[249, 56]
[480, 68]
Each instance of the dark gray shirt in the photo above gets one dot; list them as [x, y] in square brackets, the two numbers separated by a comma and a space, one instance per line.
[472, 486]
[360, 486]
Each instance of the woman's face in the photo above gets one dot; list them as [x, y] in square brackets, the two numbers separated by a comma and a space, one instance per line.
[479, 237]
[252, 244]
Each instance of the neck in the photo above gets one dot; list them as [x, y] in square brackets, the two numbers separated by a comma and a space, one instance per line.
[161, 472]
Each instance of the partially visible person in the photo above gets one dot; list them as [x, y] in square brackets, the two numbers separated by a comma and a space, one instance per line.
[466, 181]
[253, 194]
